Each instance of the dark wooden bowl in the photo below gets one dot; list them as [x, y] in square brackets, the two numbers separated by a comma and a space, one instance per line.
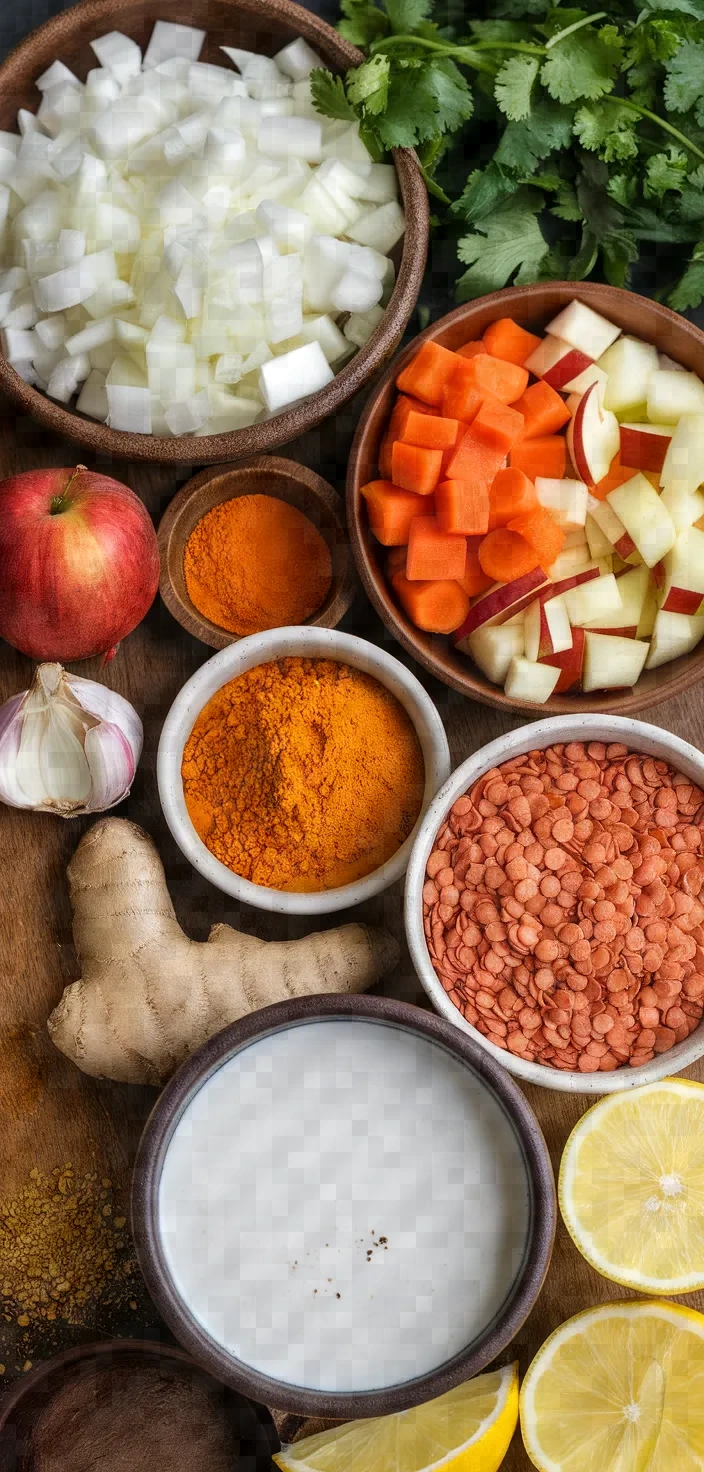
[532, 307]
[252, 1426]
[187, 1082]
[266, 476]
[261, 25]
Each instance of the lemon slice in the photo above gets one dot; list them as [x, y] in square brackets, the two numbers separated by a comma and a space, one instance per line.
[468, 1428]
[632, 1187]
[619, 1388]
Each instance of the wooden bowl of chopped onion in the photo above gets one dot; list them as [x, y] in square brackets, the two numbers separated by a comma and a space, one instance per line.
[196, 265]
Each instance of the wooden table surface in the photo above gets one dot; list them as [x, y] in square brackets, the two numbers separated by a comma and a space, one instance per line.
[50, 1113]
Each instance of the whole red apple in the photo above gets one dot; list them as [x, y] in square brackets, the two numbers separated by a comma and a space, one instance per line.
[79, 563]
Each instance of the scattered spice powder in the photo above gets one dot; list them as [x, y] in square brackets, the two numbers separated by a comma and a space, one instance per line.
[562, 906]
[303, 774]
[62, 1251]
[256, 563]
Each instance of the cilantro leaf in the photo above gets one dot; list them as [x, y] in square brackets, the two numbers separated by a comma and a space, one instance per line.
[500, 30]
[683, 7]
[583, 65]
[692, 201]
[685, 77]
[369, 84]
[362, 22]
[406, 15]
[484, 190]
[524, 145]
[586, 258]
[608, 130]
[567, 206]
[623, 188]
[514, 84]
[619, 250]
[665, 171]
[689, 292]
[508, 246]
[424, 99]
[452, 94]
[329, 97]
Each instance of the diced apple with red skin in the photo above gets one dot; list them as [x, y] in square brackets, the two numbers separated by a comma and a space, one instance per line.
[565, 574]
[492, 647]
[584, 329]
[647, 521]
[673, 634]
[531, 682]
[683, 588]
[685, 507]
[566, 500]
[645, 446]
[672, 394]
[585, 379]
[612, 662]
[502, 601]
[597, 603]
[569, 664]
[556, 362]
[593, 438]
[683, 468]
[546, 628]
[633, 589]
[598, 543]
[614, 530]
[629, 365]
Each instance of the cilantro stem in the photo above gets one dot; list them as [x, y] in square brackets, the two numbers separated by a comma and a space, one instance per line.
[434, 188]
[586, 20]
[468, 55]
[653, 117]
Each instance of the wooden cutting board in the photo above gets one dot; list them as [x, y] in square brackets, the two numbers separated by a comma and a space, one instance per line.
[51, 1113]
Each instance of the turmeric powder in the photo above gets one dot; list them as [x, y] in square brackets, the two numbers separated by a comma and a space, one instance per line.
[255, 563]
[303, 774]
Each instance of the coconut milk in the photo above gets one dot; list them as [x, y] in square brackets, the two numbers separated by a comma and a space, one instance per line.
[343, 1206]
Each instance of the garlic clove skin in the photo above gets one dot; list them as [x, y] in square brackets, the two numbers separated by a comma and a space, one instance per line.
[67, 746]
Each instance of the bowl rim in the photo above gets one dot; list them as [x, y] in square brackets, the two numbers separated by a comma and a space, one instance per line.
[334, 607]
[194, 1073]
[102, 1349]
[312, 643]
[511, 300]
[190, 449]
[681, 754]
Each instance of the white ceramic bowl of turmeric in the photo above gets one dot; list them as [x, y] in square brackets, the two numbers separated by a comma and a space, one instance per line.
[216, 760]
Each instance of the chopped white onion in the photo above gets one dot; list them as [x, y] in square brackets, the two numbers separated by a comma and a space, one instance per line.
[178, 238]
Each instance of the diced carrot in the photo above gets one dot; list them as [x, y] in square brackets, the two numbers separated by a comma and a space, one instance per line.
[498, 425]
[415, 469]
[427, 373]
[391, 511]
[542, 533]
[490, 375]
[462, 400]
[544, 412]
[395, 428]
[475, 579]
[434, 554]
[430, 431]
[617, 475]
[506, 555]
[511, 494]
[438, 607]
[395, 561]
[463, 506]
[505, 339]
[484, 447]
[545, 456]
[471, 349]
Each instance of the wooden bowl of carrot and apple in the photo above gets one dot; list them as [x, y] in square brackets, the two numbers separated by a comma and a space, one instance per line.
[530, 517]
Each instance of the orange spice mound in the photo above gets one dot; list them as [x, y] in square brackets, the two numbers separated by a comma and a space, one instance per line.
[255, 563]
[303, 774]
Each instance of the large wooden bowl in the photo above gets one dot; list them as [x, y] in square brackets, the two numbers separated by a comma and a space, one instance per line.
[532, 307]
[264, 26]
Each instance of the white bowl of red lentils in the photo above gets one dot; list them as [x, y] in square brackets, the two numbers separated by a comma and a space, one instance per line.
[555, 902]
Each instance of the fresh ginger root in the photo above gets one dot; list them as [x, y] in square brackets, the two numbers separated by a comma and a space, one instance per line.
[148, 996]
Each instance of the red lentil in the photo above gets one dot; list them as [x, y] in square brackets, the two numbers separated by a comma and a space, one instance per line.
[562, 911]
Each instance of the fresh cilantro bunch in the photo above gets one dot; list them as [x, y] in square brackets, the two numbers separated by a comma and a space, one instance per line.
[585, 129]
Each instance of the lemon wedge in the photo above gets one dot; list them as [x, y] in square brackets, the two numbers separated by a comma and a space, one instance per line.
[467, 1430]
[619, 1387]
[631, 1187]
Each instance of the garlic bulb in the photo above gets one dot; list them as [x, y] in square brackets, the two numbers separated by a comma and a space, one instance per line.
[67, 745]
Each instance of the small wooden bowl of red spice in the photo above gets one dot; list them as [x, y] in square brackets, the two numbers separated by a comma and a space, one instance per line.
[254, 546]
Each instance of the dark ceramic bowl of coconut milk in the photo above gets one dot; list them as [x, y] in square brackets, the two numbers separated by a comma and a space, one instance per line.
[343, 1207]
